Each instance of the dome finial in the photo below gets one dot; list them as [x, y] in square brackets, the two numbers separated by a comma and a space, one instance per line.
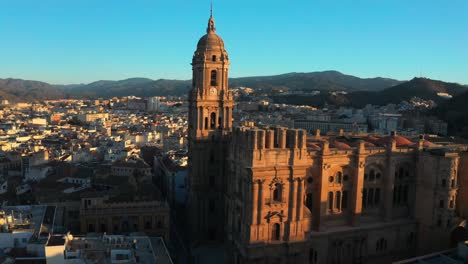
[211, 24]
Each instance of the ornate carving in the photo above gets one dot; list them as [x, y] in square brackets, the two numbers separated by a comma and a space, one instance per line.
[362, 164]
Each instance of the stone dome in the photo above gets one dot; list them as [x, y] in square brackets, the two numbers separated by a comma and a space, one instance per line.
[210, 41]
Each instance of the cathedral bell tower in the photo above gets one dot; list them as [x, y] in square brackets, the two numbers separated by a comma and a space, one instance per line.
[210, 125]
[210, 99]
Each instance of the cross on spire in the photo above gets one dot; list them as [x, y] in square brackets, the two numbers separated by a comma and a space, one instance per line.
[211, 9]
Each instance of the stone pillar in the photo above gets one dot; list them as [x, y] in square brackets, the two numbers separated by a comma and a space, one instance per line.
[356, 194]
[300, 199]
[260, 201]
[200, 118]
[254, 202]
[292, 204]
[261, 139]
[270, 139]
[282, 138]
[253, 139]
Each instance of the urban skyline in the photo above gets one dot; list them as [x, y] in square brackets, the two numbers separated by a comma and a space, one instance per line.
[64, 43]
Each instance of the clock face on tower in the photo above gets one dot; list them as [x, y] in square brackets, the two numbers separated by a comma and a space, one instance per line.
[213, 91]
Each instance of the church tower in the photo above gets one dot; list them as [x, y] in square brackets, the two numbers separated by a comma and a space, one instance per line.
[210, 125]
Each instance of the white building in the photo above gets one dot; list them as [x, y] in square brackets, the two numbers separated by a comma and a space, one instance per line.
[153, 104]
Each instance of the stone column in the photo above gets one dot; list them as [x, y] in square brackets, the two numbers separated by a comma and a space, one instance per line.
[260, 202]
[300, 199]
[282, 138]
[200, 118]
[254, 202]
[356, 194]
[292, 204]
[270, 139]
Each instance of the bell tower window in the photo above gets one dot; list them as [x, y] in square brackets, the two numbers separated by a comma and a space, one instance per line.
[277, 193]
[213, 78]
[213, 58]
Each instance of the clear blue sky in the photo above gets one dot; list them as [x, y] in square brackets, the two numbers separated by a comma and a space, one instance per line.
[80, 41]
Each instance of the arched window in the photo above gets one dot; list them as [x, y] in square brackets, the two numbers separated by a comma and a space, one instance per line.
[276, 232]
[214, 79]
[344, 200]
[277, 193]
[371, 175]
[339, 176]
[377, 196]
[330, 201]
[220, 122]
[370, 195]
[338, 200]
[364, 198]
[213, 120]
[213, 58]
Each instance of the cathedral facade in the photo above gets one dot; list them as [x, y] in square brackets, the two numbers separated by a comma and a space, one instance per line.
[279, 195]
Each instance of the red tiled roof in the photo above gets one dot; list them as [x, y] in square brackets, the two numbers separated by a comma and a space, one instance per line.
[312, 145]
[400, 141]
[340, 145]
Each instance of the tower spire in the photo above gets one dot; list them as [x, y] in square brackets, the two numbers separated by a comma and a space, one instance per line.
[211, 24]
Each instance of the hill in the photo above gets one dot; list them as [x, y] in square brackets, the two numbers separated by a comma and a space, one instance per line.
[22, 90]
[323, 81]
[423, 88]
[16, 89]
[134, 86]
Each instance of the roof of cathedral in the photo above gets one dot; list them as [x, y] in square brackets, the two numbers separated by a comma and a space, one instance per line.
[339, 145]
[429, 144]
[313, 145]
[400, 141]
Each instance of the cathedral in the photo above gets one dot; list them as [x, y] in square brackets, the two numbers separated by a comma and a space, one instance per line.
[274, 195]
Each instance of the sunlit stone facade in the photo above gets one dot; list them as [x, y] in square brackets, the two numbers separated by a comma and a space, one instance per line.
[278, 195]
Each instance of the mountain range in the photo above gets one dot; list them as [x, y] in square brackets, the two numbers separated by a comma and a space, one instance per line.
[24, 90]
[359, 91]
